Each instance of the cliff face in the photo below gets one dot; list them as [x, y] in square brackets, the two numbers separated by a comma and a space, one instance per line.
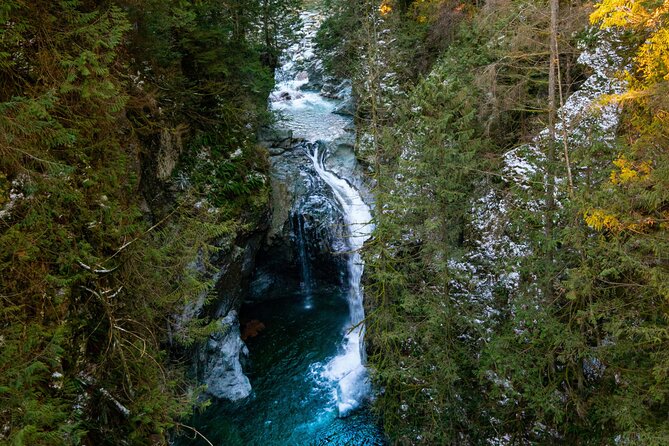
[220, 359]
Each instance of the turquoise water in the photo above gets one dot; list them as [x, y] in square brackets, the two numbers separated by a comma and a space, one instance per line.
[290, 403]
[303, 366]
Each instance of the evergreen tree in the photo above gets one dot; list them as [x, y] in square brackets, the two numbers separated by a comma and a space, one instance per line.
[116, 118]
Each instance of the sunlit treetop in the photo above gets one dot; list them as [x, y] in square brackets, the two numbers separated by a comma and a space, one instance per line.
[645, 16]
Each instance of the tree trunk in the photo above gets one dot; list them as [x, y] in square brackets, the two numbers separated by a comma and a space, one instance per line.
[550, 155]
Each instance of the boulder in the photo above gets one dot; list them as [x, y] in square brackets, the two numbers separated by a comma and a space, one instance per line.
[345, 95]
[222, 357]
[276, 151]
[346, 109]
[337, 90]
[274, 137]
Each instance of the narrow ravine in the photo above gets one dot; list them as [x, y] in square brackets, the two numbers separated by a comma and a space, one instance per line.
[303, 318]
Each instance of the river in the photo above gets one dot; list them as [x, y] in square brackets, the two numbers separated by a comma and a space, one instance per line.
[306, 359]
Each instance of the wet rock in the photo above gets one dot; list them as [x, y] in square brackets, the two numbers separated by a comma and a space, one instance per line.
[347, 107]
[267, 284]
[275, 137]
[337, 90]
[342, 160]
[223, 355]
[296, 187]
[298, 193]
[329, 90]
[276, 151]
[315, 72]
[341, 91]
[286, 183]
[264, 281]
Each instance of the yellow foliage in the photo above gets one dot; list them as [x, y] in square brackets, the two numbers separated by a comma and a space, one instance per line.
[629, 171]
[600, 220]
[641, 226]
[385, 8]
[597, 219]
[662, 116]
[620, 13]
[652, 57]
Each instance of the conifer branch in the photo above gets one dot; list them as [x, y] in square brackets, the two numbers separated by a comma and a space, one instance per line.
[197, 432]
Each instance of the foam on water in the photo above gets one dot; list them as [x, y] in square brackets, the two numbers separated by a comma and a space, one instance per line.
[310, 116]
[347, 369]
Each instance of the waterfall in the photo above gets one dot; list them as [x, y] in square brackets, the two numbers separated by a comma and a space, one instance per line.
[303, 258]
[311, 116]
[309, 381]
[347, 369]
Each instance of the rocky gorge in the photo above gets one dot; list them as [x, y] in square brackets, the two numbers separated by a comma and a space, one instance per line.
[299, 283]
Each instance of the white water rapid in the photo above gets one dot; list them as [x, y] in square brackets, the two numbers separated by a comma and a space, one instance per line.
[348, 369]
[303, 311]
[309, 115]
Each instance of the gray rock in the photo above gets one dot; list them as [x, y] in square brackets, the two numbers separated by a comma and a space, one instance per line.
[275, 137]
[315, 72]
[342, 160]
[268, 285]
[329, 90]
[222, 357]
[347, 107]
[342, 92]
[276, 151]
[337, 90]
[297, 190]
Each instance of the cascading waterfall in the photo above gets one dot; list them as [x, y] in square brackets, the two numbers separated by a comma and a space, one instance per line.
[347, 369]
[310, 117]
[306, 365]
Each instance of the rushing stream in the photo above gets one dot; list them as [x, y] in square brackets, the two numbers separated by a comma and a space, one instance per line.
[347, 369]
[306, 360]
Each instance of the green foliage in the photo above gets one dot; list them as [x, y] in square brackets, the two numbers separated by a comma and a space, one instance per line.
[92, 281]
[582, 364]
[339, 36]
[431, 164]
[213, 59]
[221, 176]
[449, 376]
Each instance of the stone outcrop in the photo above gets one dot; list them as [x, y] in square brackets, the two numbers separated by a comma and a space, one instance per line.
[222, 359]
[299, 198]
